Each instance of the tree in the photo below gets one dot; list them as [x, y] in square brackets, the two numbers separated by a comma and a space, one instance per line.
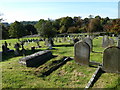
[95, 25]
[31, 30]
[73, 29]
[66, 22]
[5, 34]
[77, 21]
[17, 30]
[46, 29]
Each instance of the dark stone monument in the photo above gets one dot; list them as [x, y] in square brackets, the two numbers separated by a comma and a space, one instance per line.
[82, 53]
[36, 59]
[76, 40]
[111, 59]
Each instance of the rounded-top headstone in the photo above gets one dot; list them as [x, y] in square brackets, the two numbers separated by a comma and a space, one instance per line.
[89, 42]
[111, 59]
[82, 53]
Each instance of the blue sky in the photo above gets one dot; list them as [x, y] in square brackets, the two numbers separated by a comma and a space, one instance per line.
[33, 10]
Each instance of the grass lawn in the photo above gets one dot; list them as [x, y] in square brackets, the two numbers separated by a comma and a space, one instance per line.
[70, 75]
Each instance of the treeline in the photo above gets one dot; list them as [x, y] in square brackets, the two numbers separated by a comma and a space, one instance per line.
[48, 28]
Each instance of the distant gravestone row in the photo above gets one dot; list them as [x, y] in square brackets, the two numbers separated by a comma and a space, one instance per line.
[107, 42]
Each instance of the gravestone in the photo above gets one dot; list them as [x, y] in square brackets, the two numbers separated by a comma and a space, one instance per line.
[89, 42]
[111, 42]
[119, 43]
[4, 49]
[33, 49]
[36, 59]
[46, 42]
[82, 53]
[111, 59]
[76, 40]
[17, 51]
[105, 42]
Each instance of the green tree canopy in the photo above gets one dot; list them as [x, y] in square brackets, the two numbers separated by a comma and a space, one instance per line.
[17, 30]
[45, 28]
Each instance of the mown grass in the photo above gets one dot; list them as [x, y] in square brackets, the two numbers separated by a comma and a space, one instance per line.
[70, 75]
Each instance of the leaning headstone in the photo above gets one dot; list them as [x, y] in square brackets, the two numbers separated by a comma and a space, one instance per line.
[89, 42]
[82, 53]
[105, 42]
[111, 60]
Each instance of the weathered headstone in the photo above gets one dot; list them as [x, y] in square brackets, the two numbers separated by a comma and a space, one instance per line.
[105, 42]
[17, 51]
[119, 43]
[111, 42]
[89, 42]
[82, 53]
[111, 59]
[46, 42]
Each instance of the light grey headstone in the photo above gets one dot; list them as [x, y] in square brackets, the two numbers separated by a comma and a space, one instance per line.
[89, 42]
[119, 43]
[92, 37]
[82, 53]
[111, 59]
[105, 42]
[111, 42]
[116, 39]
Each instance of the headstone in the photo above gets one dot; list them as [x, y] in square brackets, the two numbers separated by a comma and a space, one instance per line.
[76, 40]
[4, 49]
[50, 46]
[111, 42]
[82, 53]
[38, 45]
[46, 42]
[33, 49]
[119, 43]
[111, 59]
[89, 42]
[105, 42]
[17, 51]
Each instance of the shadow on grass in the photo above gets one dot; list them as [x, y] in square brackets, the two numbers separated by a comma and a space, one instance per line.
[64, 45]
[96, 52]
[54, 66]
[9, 55]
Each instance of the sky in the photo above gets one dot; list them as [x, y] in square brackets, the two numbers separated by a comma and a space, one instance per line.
[34, 10]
